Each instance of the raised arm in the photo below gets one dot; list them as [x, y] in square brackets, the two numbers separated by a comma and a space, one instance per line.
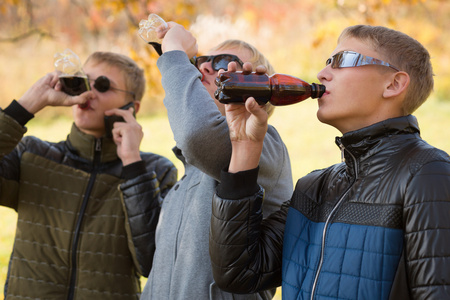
[13, 118]
[47, 92]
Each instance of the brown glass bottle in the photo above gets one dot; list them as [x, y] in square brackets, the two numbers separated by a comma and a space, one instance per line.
[278, 89]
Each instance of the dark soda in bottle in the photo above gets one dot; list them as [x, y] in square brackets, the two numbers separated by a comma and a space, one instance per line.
[74, 85]
[278, 89]
[157, 47]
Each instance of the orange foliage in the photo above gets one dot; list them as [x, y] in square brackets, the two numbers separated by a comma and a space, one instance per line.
[271, 23]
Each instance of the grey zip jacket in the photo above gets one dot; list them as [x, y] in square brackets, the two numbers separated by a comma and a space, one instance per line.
[181, 265]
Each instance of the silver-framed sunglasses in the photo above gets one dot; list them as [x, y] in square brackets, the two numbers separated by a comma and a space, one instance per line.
[350, 59]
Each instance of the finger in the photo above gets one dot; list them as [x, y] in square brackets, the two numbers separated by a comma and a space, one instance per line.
[261, 69]
[247, 68]
[172, 24]
[83, 98]
[58, 86]
[255, 109]
[54, 79]
[117, 136]
[232, 66]
[46, 80]
[162, 30]
[127, 115]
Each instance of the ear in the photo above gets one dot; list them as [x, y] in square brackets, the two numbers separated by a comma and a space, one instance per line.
[137, 105]
[397, 85]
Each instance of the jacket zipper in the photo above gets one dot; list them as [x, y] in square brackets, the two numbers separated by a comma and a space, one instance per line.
[328, 221]
[76, 237]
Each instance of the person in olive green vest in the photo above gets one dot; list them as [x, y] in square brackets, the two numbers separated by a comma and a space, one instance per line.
[87, 206]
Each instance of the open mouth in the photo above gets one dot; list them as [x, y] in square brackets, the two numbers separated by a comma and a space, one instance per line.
[85, 105]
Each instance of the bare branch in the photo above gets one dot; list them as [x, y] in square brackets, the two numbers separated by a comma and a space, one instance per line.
[25, 35]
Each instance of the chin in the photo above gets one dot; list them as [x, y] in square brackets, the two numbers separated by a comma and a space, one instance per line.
[323, 118]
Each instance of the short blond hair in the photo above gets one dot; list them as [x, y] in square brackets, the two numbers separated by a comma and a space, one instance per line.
[405, 53]
[257, 58]
[134, 75]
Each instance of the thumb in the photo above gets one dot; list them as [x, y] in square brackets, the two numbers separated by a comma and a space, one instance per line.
[257, 110]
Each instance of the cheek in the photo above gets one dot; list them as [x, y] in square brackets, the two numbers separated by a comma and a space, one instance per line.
[211, 88]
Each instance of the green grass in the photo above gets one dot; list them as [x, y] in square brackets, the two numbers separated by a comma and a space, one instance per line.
[310, 143]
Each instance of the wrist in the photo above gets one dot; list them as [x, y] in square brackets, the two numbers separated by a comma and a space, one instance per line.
[30, 105]
[18, 112]
[130, 160]
[134, 170]
[245, 156]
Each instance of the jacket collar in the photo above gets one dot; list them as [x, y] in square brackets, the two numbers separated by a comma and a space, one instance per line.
[367, 141]
[85, 145]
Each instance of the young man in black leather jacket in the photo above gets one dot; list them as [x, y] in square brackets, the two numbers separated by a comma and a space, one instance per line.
[375, 226]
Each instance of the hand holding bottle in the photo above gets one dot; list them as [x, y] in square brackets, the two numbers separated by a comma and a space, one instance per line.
[179, 38]
[167, 36]
[149, 29]
[247, 125]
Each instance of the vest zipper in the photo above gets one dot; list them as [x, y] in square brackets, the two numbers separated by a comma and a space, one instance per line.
[328, 221]
[76, 237]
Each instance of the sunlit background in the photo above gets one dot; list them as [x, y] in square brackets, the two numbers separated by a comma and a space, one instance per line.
[296, 36]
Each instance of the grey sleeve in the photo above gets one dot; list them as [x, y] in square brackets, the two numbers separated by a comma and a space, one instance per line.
[199, 129]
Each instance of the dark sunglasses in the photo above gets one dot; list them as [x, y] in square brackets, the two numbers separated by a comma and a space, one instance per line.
[350, 59]
[76, 85]
[218, 61]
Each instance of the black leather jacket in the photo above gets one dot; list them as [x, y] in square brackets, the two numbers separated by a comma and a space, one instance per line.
[374, 227]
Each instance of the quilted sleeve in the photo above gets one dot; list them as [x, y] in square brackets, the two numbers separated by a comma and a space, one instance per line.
[11, 133]
[427, 231]
[142, 197]
[246, 250]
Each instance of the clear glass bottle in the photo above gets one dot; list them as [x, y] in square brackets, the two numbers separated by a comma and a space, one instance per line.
[148, 31]
[73, 80]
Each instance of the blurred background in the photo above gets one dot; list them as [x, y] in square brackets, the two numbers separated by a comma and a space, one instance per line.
[296, 36]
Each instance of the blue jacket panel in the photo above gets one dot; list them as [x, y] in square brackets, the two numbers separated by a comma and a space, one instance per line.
[359, 262]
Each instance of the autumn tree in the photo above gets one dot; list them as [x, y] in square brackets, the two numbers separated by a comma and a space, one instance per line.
[289, 32]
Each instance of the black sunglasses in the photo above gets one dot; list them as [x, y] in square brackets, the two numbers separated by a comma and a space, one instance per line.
[218, 61]
[76, 85]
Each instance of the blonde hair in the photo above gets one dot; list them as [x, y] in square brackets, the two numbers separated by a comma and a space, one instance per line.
[134, 76]
[405, 53]
[257, 58]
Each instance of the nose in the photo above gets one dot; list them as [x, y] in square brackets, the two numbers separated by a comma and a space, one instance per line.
[324, 74]
[206, 68]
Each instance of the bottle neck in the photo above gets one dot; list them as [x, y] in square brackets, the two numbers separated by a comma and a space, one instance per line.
[317, 90]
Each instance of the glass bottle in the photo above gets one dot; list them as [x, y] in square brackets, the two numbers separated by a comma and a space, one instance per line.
[73, 80]
[148, 32]
[278, 89]
[148, 28]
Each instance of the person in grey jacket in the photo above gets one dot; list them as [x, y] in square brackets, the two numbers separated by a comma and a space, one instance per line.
[87, 206]
[181, 264]
[375, 226]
